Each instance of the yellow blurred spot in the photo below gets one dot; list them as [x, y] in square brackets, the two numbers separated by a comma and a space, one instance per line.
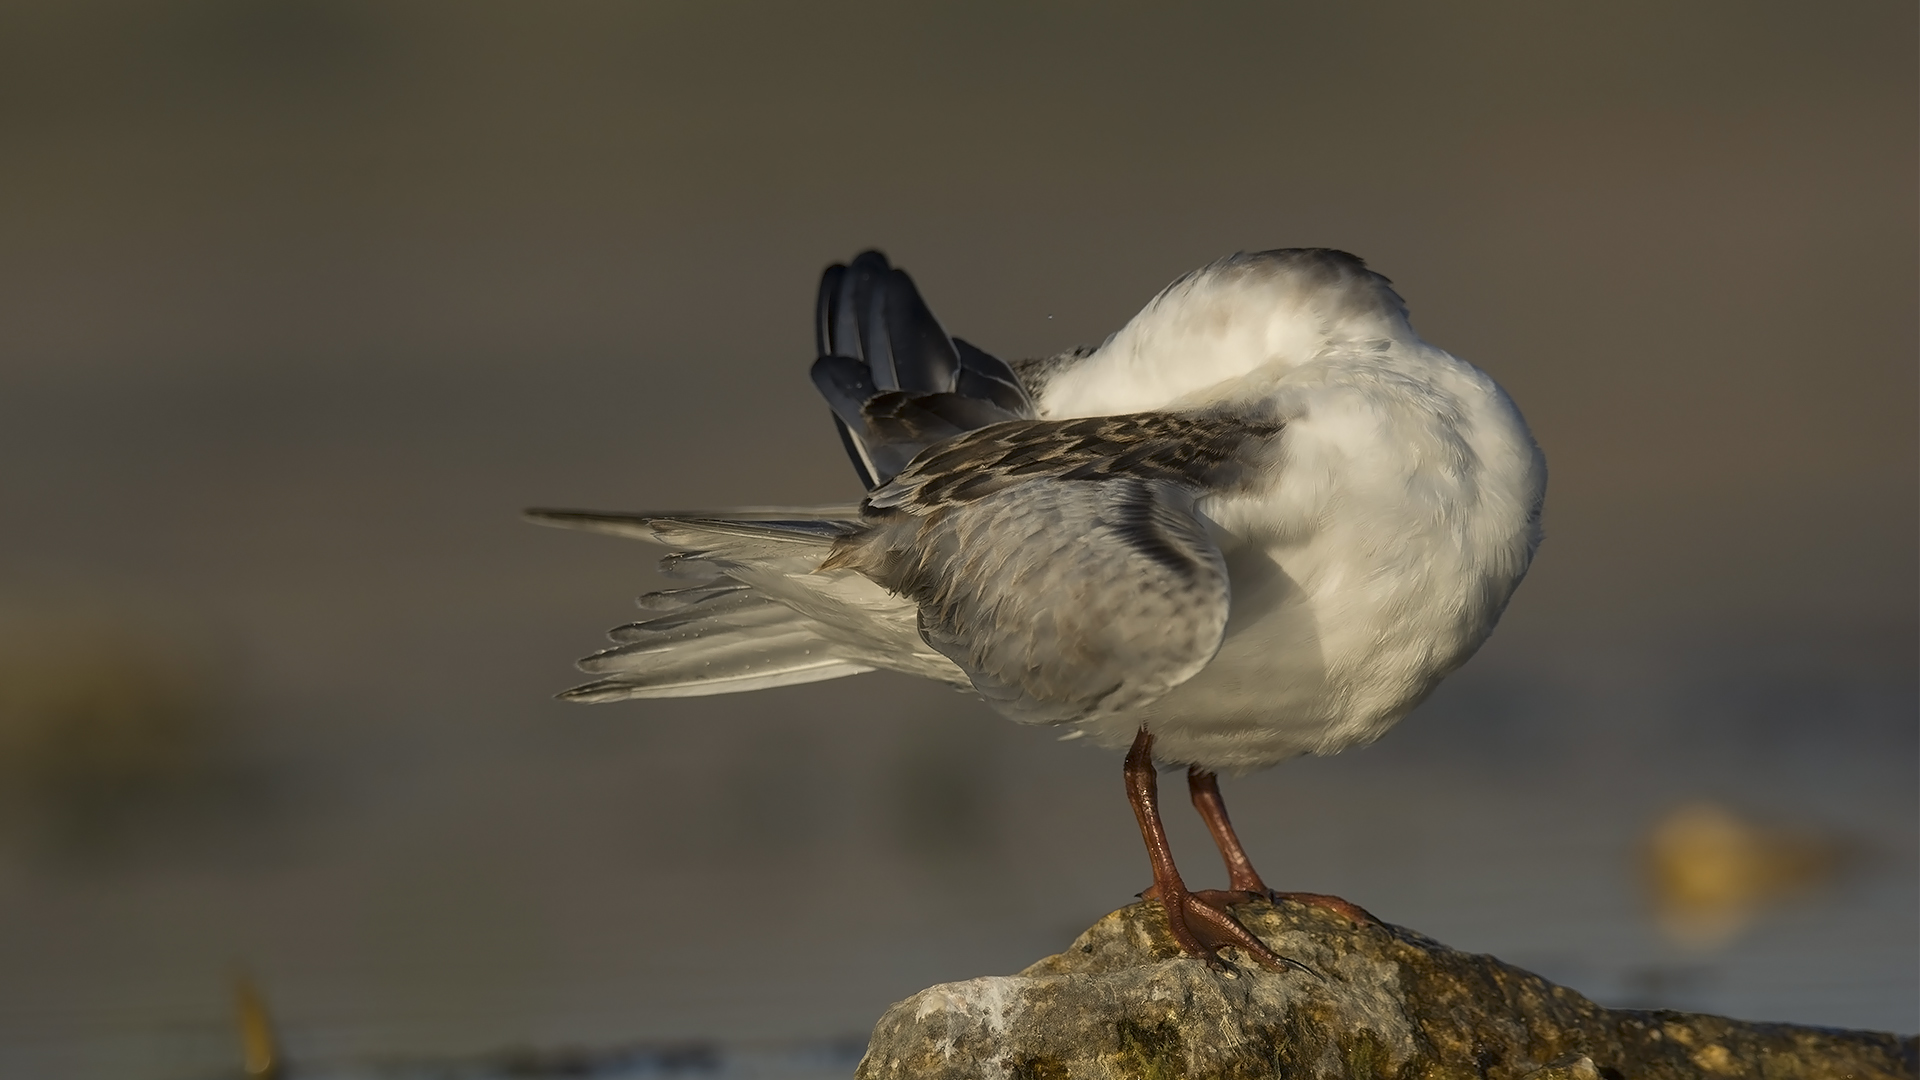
[103, 732]
[259, 1050]
[1711, 872]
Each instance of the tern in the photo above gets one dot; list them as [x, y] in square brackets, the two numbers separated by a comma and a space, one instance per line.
[1263, 519]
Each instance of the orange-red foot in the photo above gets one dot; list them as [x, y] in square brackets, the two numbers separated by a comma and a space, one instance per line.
[1358, 915]
[1202, 926]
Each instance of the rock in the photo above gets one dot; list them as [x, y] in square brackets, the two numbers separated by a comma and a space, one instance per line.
[1387, 1003]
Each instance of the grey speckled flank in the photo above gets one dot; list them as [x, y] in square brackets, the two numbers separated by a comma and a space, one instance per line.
[1061, 564]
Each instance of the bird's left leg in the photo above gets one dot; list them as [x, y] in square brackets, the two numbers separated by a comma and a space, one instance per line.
[1243, 881]
[1200, 927]
[1241, 876]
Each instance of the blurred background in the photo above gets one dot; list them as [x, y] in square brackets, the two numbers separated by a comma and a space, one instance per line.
[302, 301]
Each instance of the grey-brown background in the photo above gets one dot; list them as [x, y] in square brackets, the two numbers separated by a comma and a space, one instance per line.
[301, 301]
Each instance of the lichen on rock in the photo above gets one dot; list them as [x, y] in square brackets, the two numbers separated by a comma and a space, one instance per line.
[1383, 1003]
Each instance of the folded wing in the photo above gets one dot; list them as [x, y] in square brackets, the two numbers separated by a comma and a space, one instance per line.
[1062, 565]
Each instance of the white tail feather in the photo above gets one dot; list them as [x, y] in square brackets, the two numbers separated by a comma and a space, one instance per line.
[762, 616]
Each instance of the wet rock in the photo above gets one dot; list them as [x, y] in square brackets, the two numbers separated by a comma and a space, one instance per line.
[1384, 1002]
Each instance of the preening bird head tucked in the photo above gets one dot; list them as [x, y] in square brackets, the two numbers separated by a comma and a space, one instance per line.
[1196, 342]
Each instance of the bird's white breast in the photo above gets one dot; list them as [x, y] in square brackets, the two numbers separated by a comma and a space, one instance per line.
[1400, 509]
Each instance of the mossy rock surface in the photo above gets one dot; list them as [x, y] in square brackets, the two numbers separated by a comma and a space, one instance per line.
[1122, 1003]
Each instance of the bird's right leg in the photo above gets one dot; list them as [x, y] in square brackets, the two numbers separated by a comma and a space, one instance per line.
[1200, 926]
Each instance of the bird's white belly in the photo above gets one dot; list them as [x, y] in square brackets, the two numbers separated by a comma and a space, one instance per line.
[1324, 650]
[1400, 516]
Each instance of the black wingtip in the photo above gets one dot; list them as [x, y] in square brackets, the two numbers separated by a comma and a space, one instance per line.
[871, 261]
[875, 336]
[839, 307]
[823, 303]
[855, 454]
[924, 359]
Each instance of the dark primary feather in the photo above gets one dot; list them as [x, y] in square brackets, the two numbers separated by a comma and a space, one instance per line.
[985, 376]
[896, 382]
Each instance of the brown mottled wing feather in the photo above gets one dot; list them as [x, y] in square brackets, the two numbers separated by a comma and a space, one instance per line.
[1061, 564]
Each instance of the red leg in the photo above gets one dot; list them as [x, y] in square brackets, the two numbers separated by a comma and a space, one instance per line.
[1241, 876]
[1243, 881]
[1201, 927]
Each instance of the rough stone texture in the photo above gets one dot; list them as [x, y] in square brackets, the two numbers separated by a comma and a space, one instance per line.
[1123, 1003]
